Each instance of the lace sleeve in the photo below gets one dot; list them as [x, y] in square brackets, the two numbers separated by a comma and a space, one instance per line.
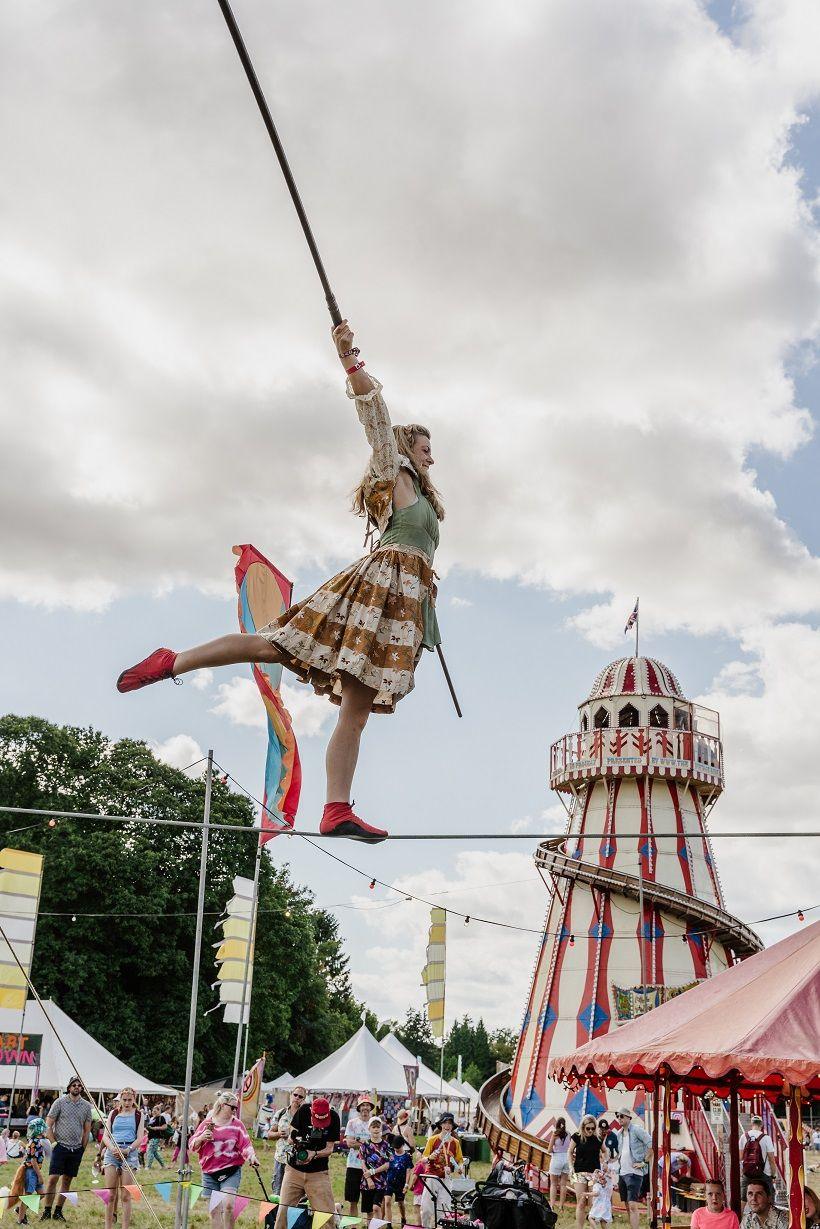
[375, 418]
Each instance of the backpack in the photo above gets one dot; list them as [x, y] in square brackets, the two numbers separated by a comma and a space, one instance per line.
[753, 1160]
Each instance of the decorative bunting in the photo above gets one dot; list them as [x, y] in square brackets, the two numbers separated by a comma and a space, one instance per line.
[4, 1200]
[164, 1189]
[264, 1208]
[194, 1193]
[293, 1216]
[135, 1192]
[319, 1218]
[73, 1198]
[239, 1205]
[31, 1201]
[215, 1200]
[375, 1223]
[349, 1220]
[104, 1194]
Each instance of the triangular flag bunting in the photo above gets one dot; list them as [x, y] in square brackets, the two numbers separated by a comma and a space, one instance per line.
[104, 1194]
[31, 1201]
[135, 1192]
[194, 1193]
[264, 1208]
[239, 1205]
[73, 1198]
[319, 1218]
[375, 1223]
[164, 1189]
[293, 1216]
[4, 1200]
[215, 1200]
[349, 1220]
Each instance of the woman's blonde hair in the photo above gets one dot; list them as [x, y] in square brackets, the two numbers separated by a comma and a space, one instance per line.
[405, 438]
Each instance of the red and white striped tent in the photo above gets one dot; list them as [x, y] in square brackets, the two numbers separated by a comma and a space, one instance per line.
[751, 1031]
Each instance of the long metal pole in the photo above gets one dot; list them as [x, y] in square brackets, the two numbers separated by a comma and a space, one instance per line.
[449, 680]
[267, 118]
[183, 1202]
[251, 939]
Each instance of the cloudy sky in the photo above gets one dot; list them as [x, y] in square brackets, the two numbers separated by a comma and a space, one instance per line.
[580, 242]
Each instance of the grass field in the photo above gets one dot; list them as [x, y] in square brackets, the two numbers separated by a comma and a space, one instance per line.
[90, 1210]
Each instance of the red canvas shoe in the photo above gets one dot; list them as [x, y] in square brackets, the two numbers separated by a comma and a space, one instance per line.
[152, 669]
[338, 820]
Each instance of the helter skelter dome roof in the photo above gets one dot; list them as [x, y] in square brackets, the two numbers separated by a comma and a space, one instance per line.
[636, 676]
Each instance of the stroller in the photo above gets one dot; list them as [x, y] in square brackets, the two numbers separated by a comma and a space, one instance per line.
[504, 1202]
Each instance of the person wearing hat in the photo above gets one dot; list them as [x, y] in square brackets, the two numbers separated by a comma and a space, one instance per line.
[635, 1157]
[68, 1126]
[314, 1129]
[356, 1132]
[444, 1158]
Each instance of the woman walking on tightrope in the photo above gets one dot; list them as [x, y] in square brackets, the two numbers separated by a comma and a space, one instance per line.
[359, 637]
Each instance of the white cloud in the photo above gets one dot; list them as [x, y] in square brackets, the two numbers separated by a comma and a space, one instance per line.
[488, 967]
[201, 680]
[238, 700]
[638, 352]
[180, 751]
[552, 819]
[460, 602]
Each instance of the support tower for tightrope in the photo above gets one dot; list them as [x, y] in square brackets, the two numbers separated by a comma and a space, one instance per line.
[631, 919]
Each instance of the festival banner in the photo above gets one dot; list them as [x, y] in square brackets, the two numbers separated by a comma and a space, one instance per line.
[411, 1075]
[433, 974]
[232, 957]
[21, 877]
[265, 594]
[252, 1091]
[21, 1049]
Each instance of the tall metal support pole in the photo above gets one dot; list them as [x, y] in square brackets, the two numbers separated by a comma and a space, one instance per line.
[183, 1201]
[653, 1173]
[734, 1149]
[251, 940]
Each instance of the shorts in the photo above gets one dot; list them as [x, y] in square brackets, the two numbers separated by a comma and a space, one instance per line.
[31, 1183]
[231, 1183]
[111, 1158]
[559, 1165]
[353, 1184]
[630, 1187]
[371, 1197]
[396, 1190]
[65, 1161]
[585, 1178]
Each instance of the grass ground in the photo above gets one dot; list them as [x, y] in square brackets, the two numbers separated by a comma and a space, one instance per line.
[90, 1210]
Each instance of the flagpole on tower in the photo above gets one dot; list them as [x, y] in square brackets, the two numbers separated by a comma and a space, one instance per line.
[637, 623]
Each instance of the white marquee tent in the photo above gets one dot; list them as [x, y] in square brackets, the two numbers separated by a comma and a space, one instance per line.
[100, 1070]
[285, 1080]
[428, 1084]
[360, 1065]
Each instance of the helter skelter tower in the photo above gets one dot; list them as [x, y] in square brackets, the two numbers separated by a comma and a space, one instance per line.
[636, 912]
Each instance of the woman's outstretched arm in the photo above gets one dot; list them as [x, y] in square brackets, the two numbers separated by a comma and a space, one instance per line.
[360, 381]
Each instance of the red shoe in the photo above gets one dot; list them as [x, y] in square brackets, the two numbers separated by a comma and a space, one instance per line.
[338, 820]
[152, 669]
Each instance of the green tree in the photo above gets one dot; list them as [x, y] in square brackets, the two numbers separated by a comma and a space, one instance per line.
[473, 1076]
[503, 1042]
[117, 916]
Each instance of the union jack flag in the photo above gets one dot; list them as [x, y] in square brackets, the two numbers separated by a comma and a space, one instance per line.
[633, 618]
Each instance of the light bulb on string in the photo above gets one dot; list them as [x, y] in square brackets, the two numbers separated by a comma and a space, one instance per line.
[74, 917]
[801, 917]
[52, 823]
[467, 920]
[372, 884]
[572, 940]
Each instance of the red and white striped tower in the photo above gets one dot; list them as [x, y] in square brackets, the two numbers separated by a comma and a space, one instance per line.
[633, 915]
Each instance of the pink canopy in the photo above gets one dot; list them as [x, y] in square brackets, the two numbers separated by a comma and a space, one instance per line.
[759, 1021]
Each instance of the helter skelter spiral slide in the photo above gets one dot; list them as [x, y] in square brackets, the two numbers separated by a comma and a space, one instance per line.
[633, 918]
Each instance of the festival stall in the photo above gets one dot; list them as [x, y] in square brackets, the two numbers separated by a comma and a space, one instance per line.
[43, 1065]
[751, 1033]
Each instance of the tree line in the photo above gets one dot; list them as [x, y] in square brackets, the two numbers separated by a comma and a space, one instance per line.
[481, 1052]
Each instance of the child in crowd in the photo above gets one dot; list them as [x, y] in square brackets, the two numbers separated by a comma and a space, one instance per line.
[603, 1182]
[401, 1162]
[417, 1186]
[30, 1182]
[375, 1156]
[14, 1148]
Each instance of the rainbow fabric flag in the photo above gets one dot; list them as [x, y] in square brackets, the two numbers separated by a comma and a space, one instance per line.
[264, 594]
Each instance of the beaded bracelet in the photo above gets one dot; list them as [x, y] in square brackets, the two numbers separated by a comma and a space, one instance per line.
[356, 367]
[354, 353]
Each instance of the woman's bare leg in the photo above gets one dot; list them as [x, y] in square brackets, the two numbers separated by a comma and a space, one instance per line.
[343, 748]
[226, 651]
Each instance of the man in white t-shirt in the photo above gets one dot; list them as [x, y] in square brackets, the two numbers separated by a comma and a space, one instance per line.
[756, 1154]
[356, 1131]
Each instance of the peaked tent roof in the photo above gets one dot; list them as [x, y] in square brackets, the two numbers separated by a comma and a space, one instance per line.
[360, 1065]
[759, 1018]
[98, 1067]
[429, 1083]
[466, 1090]
[285, 1080]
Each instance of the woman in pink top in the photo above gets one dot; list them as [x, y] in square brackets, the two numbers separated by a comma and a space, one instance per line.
[223, 1146]
[715, 1215]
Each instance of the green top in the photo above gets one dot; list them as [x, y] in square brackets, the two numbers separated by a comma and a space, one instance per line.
[417, 526]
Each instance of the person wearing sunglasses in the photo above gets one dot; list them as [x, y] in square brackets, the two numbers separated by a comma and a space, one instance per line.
[69, 1128]
[584, 1160]
[223, 1146]
[280, 1131]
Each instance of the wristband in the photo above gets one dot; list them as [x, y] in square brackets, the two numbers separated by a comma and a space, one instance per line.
[356, 367]
[354, 353]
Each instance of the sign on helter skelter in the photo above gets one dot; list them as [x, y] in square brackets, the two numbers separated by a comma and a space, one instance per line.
[20, 1049]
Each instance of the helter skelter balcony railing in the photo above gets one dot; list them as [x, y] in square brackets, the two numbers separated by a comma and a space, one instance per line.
[686, 755]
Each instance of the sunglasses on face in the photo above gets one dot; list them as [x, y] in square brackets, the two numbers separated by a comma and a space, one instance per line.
[298, 1096]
